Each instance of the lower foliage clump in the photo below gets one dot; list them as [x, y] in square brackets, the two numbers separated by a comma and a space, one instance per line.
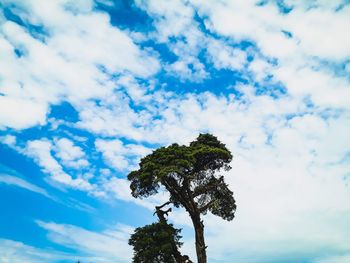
[157, 242]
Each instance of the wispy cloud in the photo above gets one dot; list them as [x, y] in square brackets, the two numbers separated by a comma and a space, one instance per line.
[41, 150]
[17, 252]
[109, 245]
[19, 182]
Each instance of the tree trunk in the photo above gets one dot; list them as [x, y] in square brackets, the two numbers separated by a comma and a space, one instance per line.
[199, 234]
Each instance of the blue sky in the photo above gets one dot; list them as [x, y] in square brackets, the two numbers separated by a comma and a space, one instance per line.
[89, 87]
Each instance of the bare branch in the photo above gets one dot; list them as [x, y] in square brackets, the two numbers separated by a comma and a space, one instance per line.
[166, 203]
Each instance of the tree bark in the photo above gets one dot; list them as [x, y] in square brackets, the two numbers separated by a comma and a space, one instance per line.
[199, 235]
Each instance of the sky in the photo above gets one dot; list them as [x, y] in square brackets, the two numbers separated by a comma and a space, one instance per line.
[87, 88]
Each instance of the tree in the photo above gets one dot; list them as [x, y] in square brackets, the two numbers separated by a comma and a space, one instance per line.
[157, 242]
[190, 175]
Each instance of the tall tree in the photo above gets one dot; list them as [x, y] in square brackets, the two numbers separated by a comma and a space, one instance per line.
[190, 175]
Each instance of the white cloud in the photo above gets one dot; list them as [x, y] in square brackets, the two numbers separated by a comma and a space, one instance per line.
[41, 151]
[14, 180]
[189, 68]
[291, 152]
[109, 245]
[28, 113]
[9, 140]
[119, 188]
[114, 116]
[134, 89]
[321, 25]
[223, 56]
[260, 68]
[70, 154]
[18, 252]
[175, 25]
[174, 13]
[105, 185]
[264, 24]
[281, 207]
[67, 65]
[299, 53]
[10, 177]
[324, 88]
[119, 155]
[335, 259]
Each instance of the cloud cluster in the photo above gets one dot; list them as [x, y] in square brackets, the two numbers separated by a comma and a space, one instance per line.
[287, 121]
[70, 154]
[119, 155]
[41, 151]
[65, 53]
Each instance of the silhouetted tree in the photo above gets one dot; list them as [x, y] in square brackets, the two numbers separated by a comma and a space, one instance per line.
[189, 174]
[154, 243]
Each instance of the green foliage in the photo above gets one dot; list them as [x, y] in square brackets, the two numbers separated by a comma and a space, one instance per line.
[189, 173]
[156, 243]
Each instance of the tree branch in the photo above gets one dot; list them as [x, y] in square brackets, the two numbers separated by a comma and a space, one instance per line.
[161, 206]
[205, 207]
[212, 185]
[203, 189]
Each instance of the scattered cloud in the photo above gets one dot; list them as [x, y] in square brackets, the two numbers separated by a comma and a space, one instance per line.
[17, 252]
[109, 245]
[285, 117]
[70, 154]
[41, 151]
[224, 56]
[119, 155]
[8, 140]
[75, 63]
[16, 181]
